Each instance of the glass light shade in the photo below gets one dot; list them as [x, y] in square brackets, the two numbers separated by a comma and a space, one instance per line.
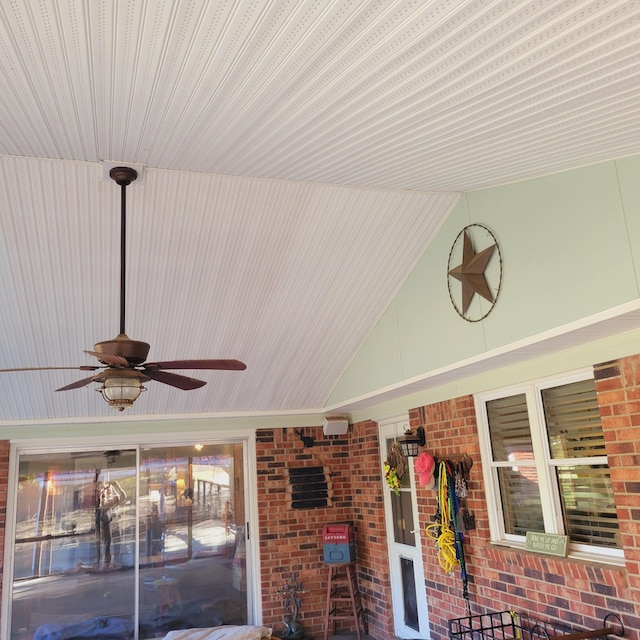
[408, 446]
[410, 442]
[121, 391]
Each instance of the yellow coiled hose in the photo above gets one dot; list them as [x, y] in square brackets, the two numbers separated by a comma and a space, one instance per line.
[441, 532]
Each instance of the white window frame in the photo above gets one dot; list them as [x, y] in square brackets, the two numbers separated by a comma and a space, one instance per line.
[542, 461]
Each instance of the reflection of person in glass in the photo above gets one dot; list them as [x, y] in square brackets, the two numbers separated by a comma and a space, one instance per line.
[108, 495]
[227, 517]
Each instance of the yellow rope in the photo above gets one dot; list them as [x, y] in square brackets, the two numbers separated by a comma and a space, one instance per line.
[441, 532]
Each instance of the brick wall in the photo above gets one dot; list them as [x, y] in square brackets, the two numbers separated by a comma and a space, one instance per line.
[4, 477]
[291, 539]
[546, 587]
[450, 429]
[368, 514]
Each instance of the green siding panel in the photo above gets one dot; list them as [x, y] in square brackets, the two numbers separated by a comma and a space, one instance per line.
[570, 244]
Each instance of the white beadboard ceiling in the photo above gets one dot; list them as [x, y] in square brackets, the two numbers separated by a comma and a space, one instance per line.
[296, 159]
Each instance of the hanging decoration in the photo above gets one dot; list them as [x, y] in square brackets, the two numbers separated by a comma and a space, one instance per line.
[394, 467]
[443, 530]
[452, 517]
[425, 466]
[476, 272]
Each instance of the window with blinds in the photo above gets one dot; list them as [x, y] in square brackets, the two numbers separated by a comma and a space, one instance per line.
[547, 447]
[511, 445]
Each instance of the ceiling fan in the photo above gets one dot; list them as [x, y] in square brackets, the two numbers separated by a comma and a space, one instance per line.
[123, 367]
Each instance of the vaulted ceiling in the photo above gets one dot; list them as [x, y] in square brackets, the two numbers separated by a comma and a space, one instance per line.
[295, 159]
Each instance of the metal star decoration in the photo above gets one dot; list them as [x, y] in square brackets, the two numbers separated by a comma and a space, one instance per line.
[471, 273]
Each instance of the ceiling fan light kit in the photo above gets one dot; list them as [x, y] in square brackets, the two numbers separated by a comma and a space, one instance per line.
[121, 387]
[123, 367]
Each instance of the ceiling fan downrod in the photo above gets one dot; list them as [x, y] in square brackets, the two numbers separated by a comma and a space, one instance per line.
[123, 176]
[113, 351]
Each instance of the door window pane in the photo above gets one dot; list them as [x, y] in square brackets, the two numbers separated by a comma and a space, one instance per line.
[192, 539]
[74, 555]
[402, 513]
[409, 598]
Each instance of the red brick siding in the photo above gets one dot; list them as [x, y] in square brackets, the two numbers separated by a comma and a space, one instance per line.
[546, 587]
[291, 539]
[450, 429]
[4, 477]
[618, 387]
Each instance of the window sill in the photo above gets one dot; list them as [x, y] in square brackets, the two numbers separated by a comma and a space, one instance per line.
[612, 561]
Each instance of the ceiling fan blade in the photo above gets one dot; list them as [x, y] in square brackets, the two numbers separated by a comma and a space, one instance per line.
[174, 380]
[227, 365]
[111, 360]
[77, 384]
[80, 368]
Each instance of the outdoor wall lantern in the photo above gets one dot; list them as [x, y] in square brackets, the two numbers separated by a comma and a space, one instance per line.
[410, 442]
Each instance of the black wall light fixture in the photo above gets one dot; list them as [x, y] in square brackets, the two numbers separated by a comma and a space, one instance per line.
[410, 442]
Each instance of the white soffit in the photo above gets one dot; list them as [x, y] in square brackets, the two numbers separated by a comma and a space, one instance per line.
[431, 95]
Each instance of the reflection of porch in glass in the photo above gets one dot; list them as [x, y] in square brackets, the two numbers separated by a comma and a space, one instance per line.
[207, 538]
[189, 532]
[212, 495]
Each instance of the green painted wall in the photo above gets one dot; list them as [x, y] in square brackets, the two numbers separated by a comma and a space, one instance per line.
[570, 246]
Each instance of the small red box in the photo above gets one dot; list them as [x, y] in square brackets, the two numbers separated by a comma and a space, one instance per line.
[339, 533]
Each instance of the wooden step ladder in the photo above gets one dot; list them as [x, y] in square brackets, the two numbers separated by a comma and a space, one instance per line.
[343, 598]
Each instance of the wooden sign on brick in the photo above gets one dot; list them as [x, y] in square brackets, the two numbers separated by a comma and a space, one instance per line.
[550, 543]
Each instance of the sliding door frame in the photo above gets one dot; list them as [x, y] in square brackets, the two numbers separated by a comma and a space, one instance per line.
[245, 437]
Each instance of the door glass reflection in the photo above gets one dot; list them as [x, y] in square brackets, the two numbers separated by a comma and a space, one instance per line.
[89, 530]
[192, 542]
[402, 513]
[74, 555]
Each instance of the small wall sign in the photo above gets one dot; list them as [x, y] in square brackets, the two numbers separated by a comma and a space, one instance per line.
[553, 544]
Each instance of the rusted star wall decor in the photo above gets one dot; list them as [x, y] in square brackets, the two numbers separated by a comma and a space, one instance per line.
[473, 272]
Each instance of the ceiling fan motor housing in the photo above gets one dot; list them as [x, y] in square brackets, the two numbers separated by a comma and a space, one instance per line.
[134, 351]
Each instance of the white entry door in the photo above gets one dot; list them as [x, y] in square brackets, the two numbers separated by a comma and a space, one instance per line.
[408, 592]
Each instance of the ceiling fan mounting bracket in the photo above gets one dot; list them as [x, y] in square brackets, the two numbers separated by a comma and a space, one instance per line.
[123, 175]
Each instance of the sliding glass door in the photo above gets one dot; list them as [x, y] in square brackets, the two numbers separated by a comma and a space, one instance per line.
[128, 543]
[192, 545]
